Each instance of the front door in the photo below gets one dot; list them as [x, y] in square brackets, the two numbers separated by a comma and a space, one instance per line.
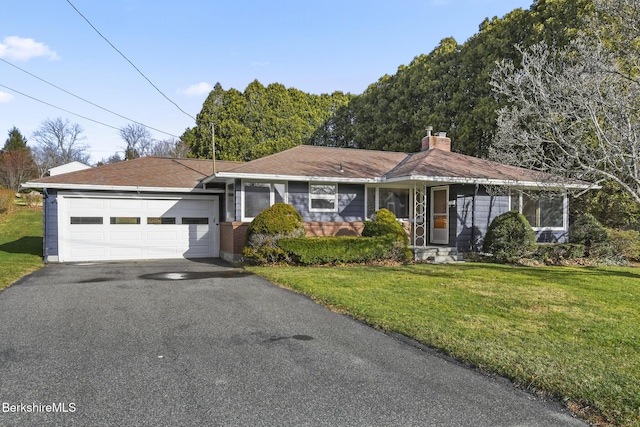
[440, 215]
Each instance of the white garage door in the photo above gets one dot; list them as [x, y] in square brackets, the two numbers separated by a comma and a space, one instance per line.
[97, 228]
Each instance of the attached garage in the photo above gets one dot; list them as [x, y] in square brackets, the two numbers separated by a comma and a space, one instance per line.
[127, 228]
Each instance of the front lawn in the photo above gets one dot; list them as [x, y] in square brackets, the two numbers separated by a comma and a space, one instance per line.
[20, 244]
[570, 332]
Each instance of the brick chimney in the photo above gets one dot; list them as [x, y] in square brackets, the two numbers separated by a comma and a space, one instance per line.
[436, 142]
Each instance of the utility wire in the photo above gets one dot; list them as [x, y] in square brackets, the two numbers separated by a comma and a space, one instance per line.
[85, 100]
[67, 111]
[59, 108]
[127, 59]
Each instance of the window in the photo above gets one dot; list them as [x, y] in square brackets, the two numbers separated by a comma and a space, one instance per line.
[257, 196]
[542, 210]
[323, 197]
[195, 221]
[124, 220]
[86, 220]
[231, 201]
[161, 220]
[397, 200]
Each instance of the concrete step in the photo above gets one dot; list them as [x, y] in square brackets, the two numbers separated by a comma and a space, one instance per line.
[437, 254]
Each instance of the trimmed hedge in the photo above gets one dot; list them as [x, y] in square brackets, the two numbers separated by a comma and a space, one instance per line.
[265, 231]
[340, 249]
[385, 223]
[509, 237]
[558, 251]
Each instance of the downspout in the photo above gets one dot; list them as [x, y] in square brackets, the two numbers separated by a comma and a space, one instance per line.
[473, 218]
[45, 252]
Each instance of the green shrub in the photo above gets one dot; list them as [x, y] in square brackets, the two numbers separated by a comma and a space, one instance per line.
[625, 243]
[272, 224]
[558, 251]
[341, 249]
[384, 223]
[509, 237]
[6, 200]
[587, 231]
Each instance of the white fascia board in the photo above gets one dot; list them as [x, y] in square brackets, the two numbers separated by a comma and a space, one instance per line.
[60, 186]
[486, 181]
[277, 177]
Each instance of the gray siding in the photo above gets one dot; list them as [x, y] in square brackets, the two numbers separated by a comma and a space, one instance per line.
[476, 209]
[50, 221]
[350, 203]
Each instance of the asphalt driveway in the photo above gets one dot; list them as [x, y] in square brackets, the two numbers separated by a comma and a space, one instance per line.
[173, 343]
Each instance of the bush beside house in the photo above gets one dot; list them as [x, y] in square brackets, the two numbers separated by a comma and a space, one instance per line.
[277, 235]
[509, 237]
[263, 234]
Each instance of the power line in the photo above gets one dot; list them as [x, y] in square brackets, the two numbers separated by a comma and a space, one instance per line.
[85, 100]
[59, 108]
[127, 59]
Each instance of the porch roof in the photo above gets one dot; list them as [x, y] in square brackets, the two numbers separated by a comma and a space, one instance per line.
[445, 166]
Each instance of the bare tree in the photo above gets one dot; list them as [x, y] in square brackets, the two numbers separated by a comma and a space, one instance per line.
[138, 139]
[575, 112]
[169, 148]
[16, 167]
[59, 142]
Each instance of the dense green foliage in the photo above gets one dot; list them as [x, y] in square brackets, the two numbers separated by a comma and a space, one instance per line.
[611, 206]
[509, 237]
[272, 224]
[447, 88]
[588, 231]
[570, 332]
[340, 249]
[384, 222]
[259, 121]
[15, 141]
[555, 253]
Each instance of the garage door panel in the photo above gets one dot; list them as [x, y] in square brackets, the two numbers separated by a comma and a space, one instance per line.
[125, 252]
[125, 204]
[162, 235]
[164, 252]
[122, 235]
[87, 254]
[88, 203]
[106, 241]
[87, 236]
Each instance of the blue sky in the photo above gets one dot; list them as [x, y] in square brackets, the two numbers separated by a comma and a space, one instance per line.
[185, 47]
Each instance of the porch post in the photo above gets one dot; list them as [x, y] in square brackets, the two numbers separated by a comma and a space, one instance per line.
[421, 222]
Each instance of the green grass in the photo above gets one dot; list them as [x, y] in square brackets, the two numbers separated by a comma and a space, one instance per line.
[20, 244]
[570, 332]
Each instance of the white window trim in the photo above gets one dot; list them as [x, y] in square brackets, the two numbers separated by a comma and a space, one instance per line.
[565, 209]
[333, 197]
[272, 195]
[226, 201]
[376, 203]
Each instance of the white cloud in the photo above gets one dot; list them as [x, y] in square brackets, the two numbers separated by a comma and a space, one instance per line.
[260, 64]
[5, 97]
[198, 89]
[22, 49]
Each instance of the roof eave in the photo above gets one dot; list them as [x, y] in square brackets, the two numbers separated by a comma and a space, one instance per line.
[61, 186]
[489, 181]
[279, 177]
